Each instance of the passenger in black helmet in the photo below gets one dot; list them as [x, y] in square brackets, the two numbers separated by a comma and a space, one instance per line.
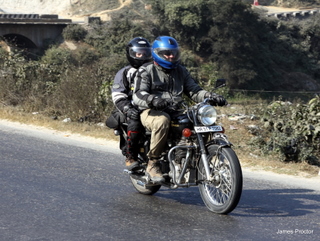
[138, 52]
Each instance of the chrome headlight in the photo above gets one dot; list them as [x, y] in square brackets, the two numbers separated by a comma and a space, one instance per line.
[207, 115]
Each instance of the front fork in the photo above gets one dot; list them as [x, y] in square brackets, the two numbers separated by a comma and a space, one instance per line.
[204, 157]
[217, 139]
[203, 152]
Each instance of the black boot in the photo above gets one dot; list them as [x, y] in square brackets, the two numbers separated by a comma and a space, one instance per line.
[132, 150]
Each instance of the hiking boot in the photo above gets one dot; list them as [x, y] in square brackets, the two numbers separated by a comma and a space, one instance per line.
[131, 164]
[154, 172]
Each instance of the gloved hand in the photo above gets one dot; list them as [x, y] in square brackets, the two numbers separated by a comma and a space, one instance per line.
[216, 100]
[159, 104]
[133, 113]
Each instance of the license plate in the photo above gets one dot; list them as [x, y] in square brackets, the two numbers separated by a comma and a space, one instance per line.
[201, 129]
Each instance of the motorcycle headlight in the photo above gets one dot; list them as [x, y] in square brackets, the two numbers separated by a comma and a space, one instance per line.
[207, 115]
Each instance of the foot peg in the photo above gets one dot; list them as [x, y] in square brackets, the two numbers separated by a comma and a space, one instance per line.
[127, 171]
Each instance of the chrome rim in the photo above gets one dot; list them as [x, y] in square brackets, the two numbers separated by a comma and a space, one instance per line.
[219, 191]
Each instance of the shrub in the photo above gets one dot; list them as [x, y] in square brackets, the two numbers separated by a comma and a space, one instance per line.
[293, 131]
[85, 55]
[74, 32]
[22, 83]
[75, 95]
[58, 56]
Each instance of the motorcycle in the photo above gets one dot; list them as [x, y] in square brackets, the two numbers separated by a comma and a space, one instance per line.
[199, 154]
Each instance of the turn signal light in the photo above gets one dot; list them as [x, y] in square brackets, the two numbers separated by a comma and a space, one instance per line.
[223, 130]
[186, 132]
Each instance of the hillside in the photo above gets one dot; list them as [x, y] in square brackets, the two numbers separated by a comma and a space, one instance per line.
[64, 8]
[35, 6]
[101, 8]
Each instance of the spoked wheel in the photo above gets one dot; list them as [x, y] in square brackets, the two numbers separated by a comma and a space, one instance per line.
[223, 192]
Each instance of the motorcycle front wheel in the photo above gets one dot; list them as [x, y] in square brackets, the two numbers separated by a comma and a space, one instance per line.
[142, 188]
[222, 194]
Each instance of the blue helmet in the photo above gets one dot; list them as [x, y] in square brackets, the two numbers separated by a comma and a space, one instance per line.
[165, 52]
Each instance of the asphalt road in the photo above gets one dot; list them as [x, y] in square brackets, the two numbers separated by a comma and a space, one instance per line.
[57, 188]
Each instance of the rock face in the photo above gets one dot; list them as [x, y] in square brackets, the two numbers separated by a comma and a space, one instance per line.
[35, 6]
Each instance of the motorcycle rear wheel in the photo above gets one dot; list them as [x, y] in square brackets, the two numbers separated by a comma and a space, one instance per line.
[144, 189]
[223, 194]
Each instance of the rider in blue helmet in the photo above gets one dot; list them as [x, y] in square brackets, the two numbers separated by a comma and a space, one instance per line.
[156, 85]
[165, 52]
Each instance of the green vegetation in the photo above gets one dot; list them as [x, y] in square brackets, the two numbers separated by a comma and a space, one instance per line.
[74, 32]
[291, 130]
[219, 39]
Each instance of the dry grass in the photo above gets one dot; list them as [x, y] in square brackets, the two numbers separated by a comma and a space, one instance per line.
[254, 158]
[235, 130]
[16, 115]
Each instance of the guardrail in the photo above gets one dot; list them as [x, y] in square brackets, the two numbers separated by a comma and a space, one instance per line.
[294, 14]
[28, 16]
[32, 18]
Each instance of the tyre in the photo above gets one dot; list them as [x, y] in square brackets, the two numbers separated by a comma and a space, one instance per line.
[142, 188]
[223, 193]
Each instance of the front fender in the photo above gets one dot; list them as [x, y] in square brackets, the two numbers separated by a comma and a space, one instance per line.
[220, 140]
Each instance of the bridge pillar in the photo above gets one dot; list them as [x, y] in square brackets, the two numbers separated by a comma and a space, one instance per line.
[38, 34]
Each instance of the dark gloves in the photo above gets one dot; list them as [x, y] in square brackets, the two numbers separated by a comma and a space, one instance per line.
[131, 112]
[216, 100]
[159, 104]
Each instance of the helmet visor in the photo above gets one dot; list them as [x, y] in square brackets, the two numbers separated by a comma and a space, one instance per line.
[171, 55]
[142, 53]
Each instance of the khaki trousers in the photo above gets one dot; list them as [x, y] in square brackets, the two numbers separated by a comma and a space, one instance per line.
[158, 123]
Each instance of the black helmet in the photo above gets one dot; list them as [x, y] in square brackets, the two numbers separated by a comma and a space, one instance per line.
[138, 52]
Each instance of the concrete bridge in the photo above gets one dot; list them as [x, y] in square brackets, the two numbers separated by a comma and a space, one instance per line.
[31, 31]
